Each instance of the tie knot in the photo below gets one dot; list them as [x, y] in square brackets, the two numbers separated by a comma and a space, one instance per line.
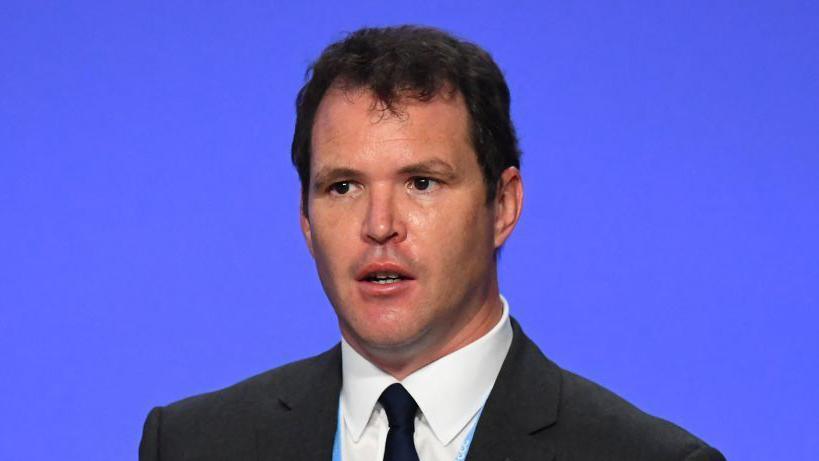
[399, 405]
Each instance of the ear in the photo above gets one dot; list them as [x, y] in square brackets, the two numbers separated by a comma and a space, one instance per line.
[508, 204]
[304, 222]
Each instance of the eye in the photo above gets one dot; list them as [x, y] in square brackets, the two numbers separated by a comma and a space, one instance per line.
[422, 183]
[341, 187]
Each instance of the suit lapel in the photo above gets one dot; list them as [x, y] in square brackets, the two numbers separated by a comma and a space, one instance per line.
[298, 421]
[523, 402]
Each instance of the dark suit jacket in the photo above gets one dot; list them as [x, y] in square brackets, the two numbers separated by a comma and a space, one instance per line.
[536, 411]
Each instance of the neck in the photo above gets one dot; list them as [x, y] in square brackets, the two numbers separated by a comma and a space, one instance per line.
[404, 360]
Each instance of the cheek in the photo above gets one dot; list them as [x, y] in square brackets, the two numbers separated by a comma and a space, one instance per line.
[331, 245]
[452, 238]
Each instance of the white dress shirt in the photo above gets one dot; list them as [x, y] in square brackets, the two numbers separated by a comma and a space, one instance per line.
[449, 391]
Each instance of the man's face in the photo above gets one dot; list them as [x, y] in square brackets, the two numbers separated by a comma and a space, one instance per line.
[397, 219]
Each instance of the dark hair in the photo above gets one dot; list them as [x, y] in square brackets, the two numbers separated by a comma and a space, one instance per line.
[417, 62]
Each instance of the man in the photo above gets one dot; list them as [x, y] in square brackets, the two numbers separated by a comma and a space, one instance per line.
[410, 179]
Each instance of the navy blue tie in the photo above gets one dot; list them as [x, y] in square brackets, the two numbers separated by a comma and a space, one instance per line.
[401, 409]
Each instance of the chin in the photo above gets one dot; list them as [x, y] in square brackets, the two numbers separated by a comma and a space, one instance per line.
[387, 335]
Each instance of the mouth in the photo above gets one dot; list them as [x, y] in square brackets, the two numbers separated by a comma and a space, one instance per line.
[383, 273]
[384, 279]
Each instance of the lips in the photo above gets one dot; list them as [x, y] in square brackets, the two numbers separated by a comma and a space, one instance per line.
[375, 272]
[384, 280]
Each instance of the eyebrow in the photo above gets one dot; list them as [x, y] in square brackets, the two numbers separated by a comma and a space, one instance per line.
[430, 167]
[327, 175]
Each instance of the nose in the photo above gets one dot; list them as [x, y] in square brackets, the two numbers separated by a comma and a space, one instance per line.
[383, 222]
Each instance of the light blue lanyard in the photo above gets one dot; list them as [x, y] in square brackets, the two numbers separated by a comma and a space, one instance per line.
[461, 453]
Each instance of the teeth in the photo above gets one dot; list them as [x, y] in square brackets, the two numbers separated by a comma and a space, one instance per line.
[385, 281]
[383, 278]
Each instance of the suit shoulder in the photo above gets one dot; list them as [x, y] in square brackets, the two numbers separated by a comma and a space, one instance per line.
[222, 424]
[593, 412]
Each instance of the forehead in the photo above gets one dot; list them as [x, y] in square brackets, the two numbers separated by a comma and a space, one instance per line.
[355, 121]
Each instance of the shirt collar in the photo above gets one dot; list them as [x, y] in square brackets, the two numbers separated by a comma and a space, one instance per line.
[449, 391]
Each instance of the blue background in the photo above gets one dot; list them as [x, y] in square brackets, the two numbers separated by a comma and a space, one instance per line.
[149, 246]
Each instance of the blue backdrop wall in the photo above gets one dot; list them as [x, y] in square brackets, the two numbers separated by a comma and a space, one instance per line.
[149, 246]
